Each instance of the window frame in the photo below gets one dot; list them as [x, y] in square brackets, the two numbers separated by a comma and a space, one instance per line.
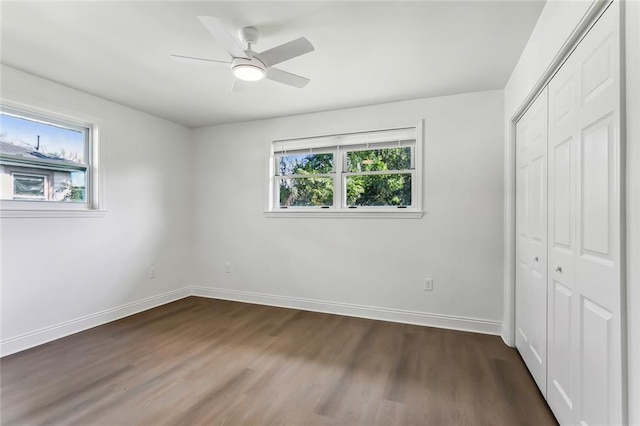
[93, 206]
[339, 145]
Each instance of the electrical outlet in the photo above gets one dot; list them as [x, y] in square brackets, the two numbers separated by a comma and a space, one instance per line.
[227, 268]
[152, 273]
[428, 284]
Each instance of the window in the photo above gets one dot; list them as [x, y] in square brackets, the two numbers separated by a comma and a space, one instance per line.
[372, 173]
[379, 177]
[29, 187]
[45, 162]
[305, 180]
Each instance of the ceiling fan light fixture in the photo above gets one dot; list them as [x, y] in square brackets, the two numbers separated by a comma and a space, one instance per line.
[248, 72]
[246, 64]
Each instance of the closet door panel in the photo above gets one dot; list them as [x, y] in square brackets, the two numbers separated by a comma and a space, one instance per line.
[585, 345]
[598, 277]
[531, 245]
[522, 237]
[563, 308]
[596, 210]
[561, 163]
[561, 390]
[596, 361]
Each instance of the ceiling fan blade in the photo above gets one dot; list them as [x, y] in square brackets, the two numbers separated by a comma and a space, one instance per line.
[280, 76]
[238, 86]
[221, 35]
[202, 61]
[286, 51]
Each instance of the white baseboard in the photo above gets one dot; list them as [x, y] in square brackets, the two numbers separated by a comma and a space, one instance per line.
[47, 334]
[506, 337]
[385, 314]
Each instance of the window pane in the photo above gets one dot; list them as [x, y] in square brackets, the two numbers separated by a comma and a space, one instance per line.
[379, 190]
[379, 160]
[306, 192]
[28, 186]
[47, 161]
[305, 164]
[30, 139]
[69, 186]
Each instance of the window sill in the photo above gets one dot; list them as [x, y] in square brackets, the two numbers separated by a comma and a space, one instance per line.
[42, 213]
[371, 214]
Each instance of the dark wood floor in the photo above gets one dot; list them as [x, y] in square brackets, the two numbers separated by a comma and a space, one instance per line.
[202, 361]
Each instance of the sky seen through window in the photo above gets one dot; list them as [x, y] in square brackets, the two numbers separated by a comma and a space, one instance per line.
[53, 139]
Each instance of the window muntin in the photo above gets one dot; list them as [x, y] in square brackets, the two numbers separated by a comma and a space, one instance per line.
[57, 150]
[372, 171]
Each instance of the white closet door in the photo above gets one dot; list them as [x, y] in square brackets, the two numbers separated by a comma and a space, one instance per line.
[585, 346]
[531, 245]
[562, 338]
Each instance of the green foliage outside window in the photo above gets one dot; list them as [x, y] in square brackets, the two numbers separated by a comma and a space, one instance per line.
[374, 160]
[392, 189]
[306, 191]
[381, 189]
[304, 164]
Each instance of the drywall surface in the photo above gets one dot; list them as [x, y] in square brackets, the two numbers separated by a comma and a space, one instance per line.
[57, 272]
[555, 25]
[360, 263]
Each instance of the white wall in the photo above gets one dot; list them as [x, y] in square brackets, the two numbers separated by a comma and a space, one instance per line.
[59, 275]
[557, 21]
[332, 264]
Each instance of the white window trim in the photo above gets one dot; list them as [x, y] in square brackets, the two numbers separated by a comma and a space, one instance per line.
[337, 210]
[95, 206]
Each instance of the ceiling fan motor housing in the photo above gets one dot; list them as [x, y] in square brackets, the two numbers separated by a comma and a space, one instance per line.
[248, 35]
[250, 69]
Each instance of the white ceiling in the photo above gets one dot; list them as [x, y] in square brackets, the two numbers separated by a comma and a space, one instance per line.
[365, 52]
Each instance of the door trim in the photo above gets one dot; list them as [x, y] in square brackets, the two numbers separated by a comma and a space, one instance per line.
[632, 92]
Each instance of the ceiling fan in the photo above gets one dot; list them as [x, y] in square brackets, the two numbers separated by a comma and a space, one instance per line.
[246, 64]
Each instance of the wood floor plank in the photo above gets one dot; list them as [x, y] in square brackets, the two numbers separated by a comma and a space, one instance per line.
[204, 361]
